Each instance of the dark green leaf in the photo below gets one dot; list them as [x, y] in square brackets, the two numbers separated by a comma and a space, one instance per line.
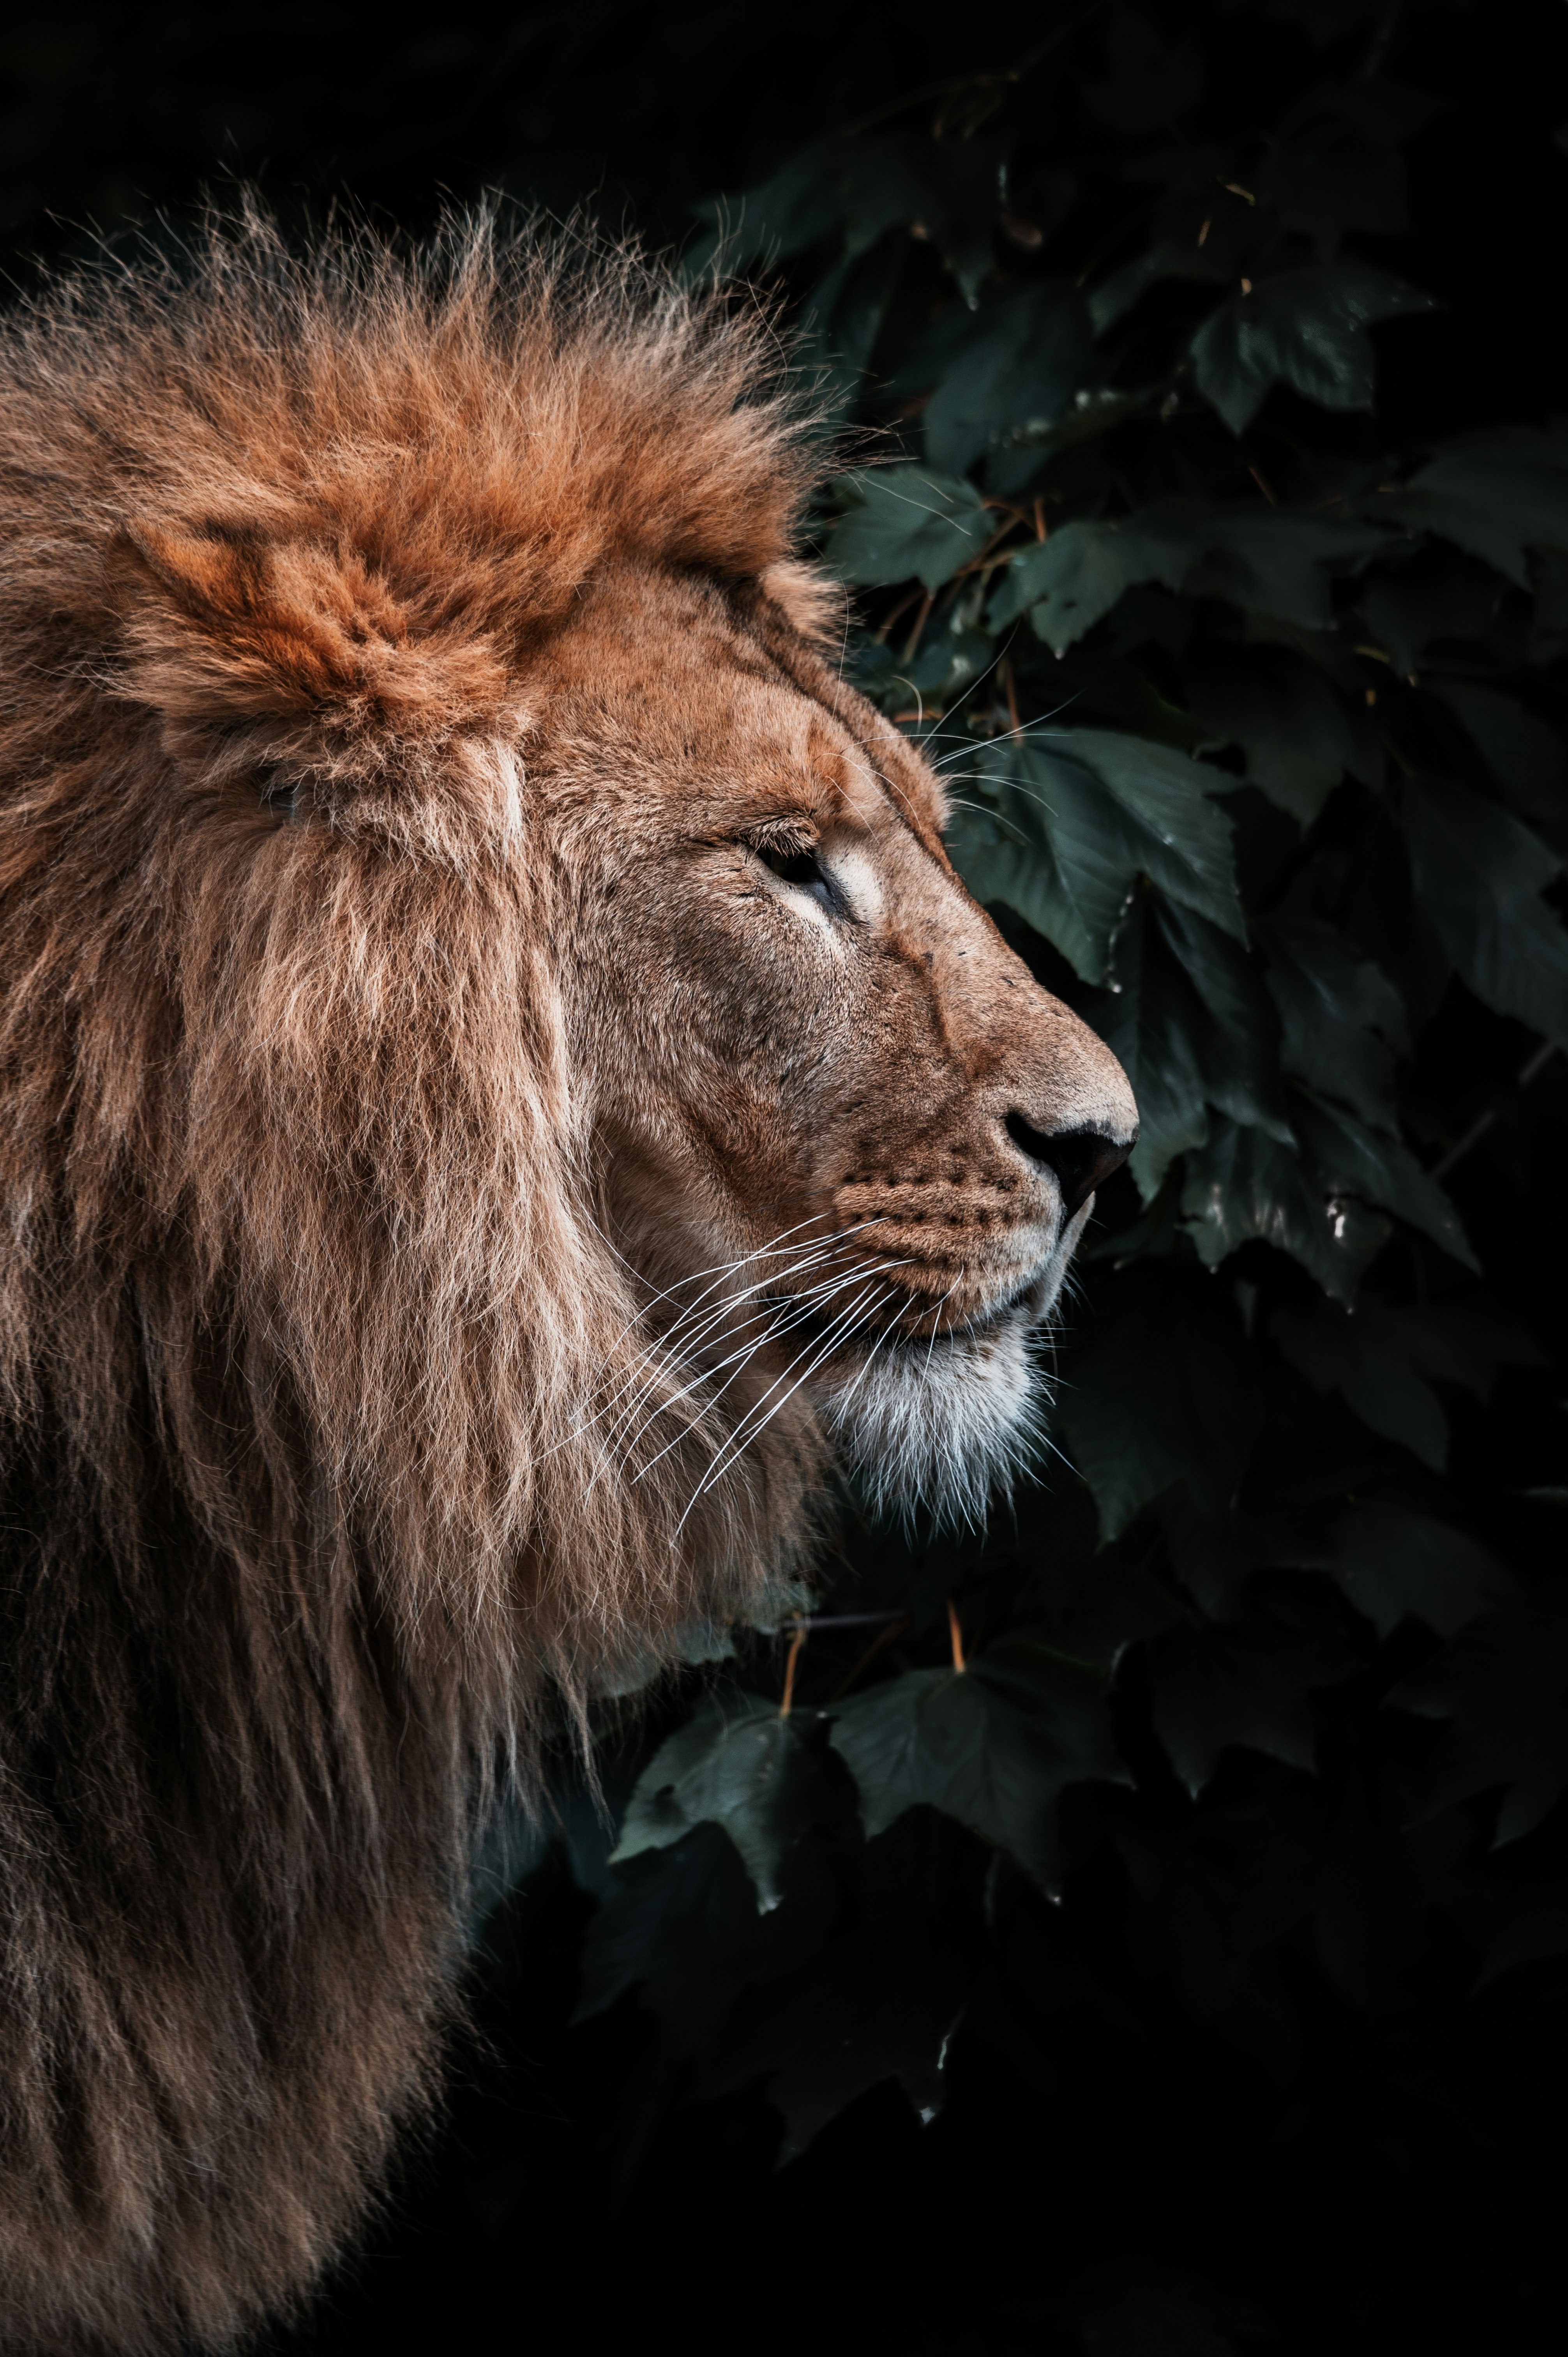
[1182, 843]
[1116, 295]
[1022, 448]
[1155, 1027]
[1303, 328]
[991, 1745]
[1525, 757]
[1384, 1362]
[1121, 694]
[1479, 874]
[1015, 373]
[960, 211]
[1392, 1562]
[1244, 1184]
[742, 1766]
[857, 2011]
[1437, 595]
[1139, 2308]
[1273, 561]
[1496, 495]
[1298, 736]
[1267, 561]
[879, 189]
[1504, 1685]
[1062, 824]
[904, 522]
[799, 207]
[1190, 1026]
[1073, 579]
[675, 1922]
[952, 657]
[841, 322]
[1334, 165]
[1063, 867]
[1116, 1604]
[1150, 82]
[1161, 1397]
[1347, 1160]
[1217, 1687]
[1342, 1018]
[1238, 1043]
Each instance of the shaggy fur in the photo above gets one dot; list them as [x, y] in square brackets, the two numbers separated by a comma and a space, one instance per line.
[492, 1057]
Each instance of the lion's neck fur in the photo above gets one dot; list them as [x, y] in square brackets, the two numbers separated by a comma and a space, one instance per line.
[310, 1534]
[308, 1319]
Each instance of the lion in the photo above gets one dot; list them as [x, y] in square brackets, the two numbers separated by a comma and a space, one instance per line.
[503, 1093]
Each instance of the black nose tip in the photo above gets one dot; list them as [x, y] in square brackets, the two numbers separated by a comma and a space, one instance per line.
[1082, 1159]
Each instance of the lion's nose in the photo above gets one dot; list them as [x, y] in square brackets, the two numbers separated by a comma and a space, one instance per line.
[1082, 1159]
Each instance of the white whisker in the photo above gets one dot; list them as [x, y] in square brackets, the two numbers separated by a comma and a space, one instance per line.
[742, 1438]
[801, 1307]
[1021, 733]
[670, 1354]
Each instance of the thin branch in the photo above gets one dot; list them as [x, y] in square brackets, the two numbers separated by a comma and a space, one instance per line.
[1000, 79]
[1383, 32]
[841, 1620]
[1532, 1065]
[895, 1628]
[899, 611]
[788, 1704]
[921, 618]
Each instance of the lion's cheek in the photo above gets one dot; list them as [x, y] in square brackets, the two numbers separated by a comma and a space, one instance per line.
[740, 1041]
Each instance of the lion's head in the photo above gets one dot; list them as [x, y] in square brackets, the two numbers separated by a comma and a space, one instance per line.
[500, 1085]
[478, 942]
[828, 1101]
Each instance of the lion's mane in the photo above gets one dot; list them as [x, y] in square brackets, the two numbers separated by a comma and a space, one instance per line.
[303, 1294]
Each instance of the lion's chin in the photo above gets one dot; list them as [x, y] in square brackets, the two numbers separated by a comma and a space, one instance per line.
[947, 1427]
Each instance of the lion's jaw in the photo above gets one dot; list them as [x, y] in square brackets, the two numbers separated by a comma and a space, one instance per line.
[861, 1139]
[945, 1421]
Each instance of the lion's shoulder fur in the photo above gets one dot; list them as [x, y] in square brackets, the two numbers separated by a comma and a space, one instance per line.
[301, 1303]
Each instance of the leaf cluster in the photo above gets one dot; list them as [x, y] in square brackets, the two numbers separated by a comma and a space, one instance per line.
[1244, 1724]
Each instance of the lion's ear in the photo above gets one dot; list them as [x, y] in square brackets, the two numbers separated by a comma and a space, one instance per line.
[812, 603]
[222, 624]
[217, 572]
[225, 623]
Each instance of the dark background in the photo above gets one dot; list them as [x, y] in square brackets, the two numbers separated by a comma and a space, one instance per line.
[635, 113]
[564, 2195]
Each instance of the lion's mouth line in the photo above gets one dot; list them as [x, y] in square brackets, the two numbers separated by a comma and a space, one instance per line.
[906, 1328]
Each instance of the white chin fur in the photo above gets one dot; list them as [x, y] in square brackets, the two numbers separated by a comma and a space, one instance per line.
[948, 1428]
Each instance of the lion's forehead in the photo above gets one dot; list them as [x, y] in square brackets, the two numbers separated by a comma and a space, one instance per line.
[661, 667]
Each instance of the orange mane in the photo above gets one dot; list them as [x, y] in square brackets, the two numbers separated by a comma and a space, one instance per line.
[303, 1310]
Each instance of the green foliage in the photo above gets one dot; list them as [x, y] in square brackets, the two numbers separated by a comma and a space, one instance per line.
[991, 1743]
[748, 1767]
[1090, 811]
[1305, 328]
[908, 519]
[1254, 739]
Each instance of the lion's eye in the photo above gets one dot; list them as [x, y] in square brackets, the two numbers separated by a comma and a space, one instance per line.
[280, 794]
[804, 870]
